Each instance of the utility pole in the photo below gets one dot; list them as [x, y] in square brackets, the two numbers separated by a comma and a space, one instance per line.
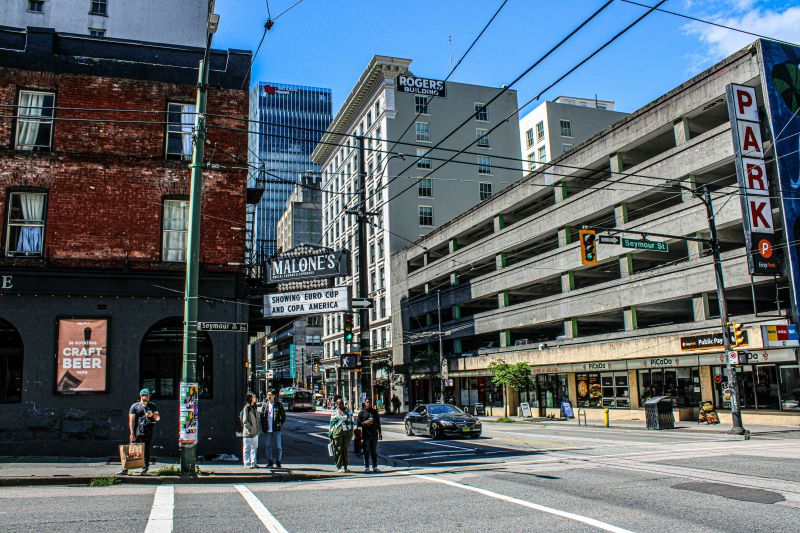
[189, 368]
[441, 346]
[736, 414]
[363, 287]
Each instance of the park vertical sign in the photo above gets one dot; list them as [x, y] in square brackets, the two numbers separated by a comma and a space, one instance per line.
[780, 81]
[751, 173]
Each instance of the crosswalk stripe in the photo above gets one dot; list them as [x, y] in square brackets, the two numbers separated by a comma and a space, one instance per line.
[263, 514]
[161, 513]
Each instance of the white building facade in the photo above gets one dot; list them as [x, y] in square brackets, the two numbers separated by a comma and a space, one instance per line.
[407, 207]
[180, 22]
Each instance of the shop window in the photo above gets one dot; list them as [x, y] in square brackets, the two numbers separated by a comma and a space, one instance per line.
[681, 384]
[551, 390]
[494, 394]
[25, 224]
[161, 357]
[756, 385]
[35, 121]
[10, 364]
[175, 230]
[606, 389]
[790, 388]
[180, 125]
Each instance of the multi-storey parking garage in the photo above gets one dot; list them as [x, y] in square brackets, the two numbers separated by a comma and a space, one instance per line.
[637, 324]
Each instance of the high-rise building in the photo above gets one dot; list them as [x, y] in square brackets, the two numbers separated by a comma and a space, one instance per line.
[181, 22]
[555, 128]
[388, 104]
[287, 122]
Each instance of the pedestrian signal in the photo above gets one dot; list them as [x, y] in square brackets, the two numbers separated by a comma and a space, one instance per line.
[348, 327]
[588, 246]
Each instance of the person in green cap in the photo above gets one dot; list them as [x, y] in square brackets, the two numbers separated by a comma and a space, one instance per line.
[142, 419]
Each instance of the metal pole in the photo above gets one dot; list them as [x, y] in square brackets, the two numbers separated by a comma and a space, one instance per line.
[441, 346]
[363, 287]
[736, 415]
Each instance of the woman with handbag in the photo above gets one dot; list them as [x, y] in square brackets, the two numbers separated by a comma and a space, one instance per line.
[250, 431]
[340, 432]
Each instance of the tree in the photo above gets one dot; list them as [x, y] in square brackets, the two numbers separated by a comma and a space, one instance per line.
[516, 376]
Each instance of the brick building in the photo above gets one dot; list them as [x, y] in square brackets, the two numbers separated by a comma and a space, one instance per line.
[92, 256]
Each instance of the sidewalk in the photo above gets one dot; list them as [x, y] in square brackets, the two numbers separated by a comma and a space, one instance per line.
[641, 425]
[19, 471]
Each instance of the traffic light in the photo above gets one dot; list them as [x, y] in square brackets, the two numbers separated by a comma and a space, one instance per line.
[316, 368]
[736, 334]
[348, 327]
[588, 246]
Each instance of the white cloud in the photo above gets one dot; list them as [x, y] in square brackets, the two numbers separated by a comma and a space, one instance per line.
[718, 43]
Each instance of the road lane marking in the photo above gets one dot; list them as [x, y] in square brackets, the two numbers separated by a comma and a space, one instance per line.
[263, 514]
[447, 445]
[319, 435]
[563, 514]
[160, 520]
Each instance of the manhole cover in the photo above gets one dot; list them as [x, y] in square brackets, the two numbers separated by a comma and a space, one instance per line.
[743, 494]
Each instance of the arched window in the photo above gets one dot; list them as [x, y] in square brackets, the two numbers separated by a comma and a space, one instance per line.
[10, 364]
[161, 359]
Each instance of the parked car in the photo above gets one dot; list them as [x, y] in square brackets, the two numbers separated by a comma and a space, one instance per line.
[440, 420]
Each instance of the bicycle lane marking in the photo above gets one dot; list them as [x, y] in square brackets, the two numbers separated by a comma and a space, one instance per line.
[263, 514]
[563, 514]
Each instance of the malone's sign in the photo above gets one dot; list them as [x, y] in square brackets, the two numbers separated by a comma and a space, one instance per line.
[308, 263]
[410, 84]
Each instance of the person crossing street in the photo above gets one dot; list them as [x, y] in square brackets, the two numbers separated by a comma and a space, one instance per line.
[370, 423]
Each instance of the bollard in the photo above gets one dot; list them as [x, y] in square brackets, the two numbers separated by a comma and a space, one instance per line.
[605, 417]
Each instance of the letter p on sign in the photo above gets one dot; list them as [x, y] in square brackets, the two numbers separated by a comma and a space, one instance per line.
[746, 106]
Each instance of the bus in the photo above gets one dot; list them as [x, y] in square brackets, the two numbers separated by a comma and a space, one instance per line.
[296, 399]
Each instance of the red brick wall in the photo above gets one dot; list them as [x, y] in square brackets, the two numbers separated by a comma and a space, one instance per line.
[106, 181]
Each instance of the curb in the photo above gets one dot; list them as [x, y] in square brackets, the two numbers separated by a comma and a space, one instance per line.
[162, 480]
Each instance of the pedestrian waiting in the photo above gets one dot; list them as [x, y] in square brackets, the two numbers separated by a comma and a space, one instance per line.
[249, 419]
[340, 432]
[273, 416]
[370, 423]
[142, 418]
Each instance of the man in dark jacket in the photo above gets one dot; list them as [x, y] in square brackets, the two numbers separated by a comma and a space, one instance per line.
[370, 423]
[273, 416]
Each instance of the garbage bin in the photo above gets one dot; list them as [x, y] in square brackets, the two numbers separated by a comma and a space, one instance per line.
[658, 411]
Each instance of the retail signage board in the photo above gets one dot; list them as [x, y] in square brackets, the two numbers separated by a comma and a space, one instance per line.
[311, 302]
[707, 341]
[751, 173]
[784, 335]
[669, 361]
[750, 357]
[410, 84]
[644, 244]
[307, 263]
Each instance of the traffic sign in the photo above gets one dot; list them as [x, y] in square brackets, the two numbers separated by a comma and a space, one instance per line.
[222, 326]
[362, 303]
[733, 357]
[644, 244]
[608, 239]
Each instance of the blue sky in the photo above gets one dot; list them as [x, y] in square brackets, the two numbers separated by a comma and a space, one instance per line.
[329, 42]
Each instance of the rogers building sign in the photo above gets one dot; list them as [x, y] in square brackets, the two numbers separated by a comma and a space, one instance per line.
[410, 84]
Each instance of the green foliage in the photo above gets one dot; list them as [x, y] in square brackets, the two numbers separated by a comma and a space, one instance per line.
[505, 420]
[516, 376]
[109, 481]
[169, 470]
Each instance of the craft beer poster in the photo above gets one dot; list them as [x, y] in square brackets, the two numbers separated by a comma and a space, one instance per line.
[82, 355]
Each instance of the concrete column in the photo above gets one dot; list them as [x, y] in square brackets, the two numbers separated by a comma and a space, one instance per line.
[453, 245]
[505, 338]
[564, 236]
[426, 258]
[502, 299]
[567, 282]
[499, 222]
[571, 328]
[691, 182]
[630, 319]
[500, 261]
[681, 129]
[511, 399]
[427, 288]
[700, 307]
[615, 162]
[457, 346]
[572, 389]
[626, 265]
[620, 215]
[706, 385]
[633, 388]
[560, 191]
[457, 312]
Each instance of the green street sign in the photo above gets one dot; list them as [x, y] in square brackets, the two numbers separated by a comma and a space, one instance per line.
[645, 245]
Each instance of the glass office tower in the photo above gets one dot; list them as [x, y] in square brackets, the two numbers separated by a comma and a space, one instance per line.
[287, 122]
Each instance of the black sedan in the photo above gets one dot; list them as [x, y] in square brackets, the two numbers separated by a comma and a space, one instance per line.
[442, 419]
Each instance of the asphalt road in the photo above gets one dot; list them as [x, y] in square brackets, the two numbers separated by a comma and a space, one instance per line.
[515, 478]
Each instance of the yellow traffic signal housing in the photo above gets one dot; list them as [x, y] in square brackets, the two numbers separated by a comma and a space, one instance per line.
[588, 240]
[736, 334]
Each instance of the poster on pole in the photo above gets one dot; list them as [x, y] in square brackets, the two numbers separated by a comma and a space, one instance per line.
[187, 431]
[82, 354]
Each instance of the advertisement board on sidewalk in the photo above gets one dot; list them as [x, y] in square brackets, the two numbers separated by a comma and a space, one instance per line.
[82, 355]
